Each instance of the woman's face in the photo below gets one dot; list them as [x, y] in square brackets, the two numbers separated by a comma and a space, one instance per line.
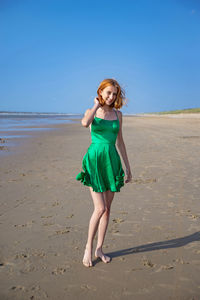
[109, 94]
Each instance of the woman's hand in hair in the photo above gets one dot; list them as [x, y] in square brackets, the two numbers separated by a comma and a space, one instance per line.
[96, 101]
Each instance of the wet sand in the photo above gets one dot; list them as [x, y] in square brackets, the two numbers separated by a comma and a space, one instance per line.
[154, 231]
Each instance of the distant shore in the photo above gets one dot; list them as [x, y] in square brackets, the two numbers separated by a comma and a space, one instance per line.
[169, 112]
[179, 113]
[171, 115]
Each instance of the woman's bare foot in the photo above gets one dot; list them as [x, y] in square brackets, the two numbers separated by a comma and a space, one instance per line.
[99, 253]
[87, 258]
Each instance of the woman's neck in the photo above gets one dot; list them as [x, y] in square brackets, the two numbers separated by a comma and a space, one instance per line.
[106, 108]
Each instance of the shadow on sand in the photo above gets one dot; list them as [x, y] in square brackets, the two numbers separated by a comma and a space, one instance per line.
[175, 243]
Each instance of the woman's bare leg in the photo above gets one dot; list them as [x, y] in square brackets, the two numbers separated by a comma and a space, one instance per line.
[103, 224]
[99, 209]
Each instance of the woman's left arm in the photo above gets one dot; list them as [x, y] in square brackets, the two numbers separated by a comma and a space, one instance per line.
[122, 149]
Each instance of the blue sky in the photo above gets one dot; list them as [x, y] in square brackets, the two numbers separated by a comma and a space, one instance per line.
[54, 53]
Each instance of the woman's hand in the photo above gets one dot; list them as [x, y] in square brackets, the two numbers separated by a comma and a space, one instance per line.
[96, 101]
[128, 176]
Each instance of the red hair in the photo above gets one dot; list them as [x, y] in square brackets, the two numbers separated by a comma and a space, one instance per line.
[120, 98]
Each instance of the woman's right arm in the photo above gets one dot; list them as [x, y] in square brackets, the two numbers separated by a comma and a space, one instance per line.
[90, 113]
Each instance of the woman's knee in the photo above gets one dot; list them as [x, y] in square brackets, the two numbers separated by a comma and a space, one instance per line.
[107, 211]
[100, 211]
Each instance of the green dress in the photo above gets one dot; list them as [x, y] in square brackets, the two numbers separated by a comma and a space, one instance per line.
[102, 168]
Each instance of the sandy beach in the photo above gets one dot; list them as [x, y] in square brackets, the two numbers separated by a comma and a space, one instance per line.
[153, 236]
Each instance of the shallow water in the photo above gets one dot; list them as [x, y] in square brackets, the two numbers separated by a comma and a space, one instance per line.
[14, 125]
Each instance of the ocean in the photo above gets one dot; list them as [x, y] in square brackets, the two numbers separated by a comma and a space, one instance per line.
[14, 125]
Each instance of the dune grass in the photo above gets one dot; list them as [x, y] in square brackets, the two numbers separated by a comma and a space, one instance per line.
[179, 111]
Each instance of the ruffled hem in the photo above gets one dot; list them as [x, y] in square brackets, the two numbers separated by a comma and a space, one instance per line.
[84, 177]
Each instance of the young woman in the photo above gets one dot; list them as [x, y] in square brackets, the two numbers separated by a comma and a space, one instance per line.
[102, 169]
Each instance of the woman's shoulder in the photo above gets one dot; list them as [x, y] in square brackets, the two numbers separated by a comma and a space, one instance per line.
[119, 113]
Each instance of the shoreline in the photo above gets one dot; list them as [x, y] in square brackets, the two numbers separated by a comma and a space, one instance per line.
[17, 135]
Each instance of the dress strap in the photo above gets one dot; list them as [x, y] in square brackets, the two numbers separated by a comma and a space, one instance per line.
[116, 114]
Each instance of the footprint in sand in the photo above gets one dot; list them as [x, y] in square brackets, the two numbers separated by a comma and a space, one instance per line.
[35, 292]
[183, 212]
[181, 261]
[35, 288]
[188, 214]
[148, 263]
[164, 267]
[34, 252]
[22, 174]
[22, 255]
[167, 267]
[60, 270]
[28, 268]
[28, 224]
[70, 216]
[88, 287]
[193, 217]
[118, 220]
[46, 217]
[63, 231]
[48, 224]
[38, 253]
[59, 232]
[114, 231]
[122, 258]
[56, 203]
[18, 288]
